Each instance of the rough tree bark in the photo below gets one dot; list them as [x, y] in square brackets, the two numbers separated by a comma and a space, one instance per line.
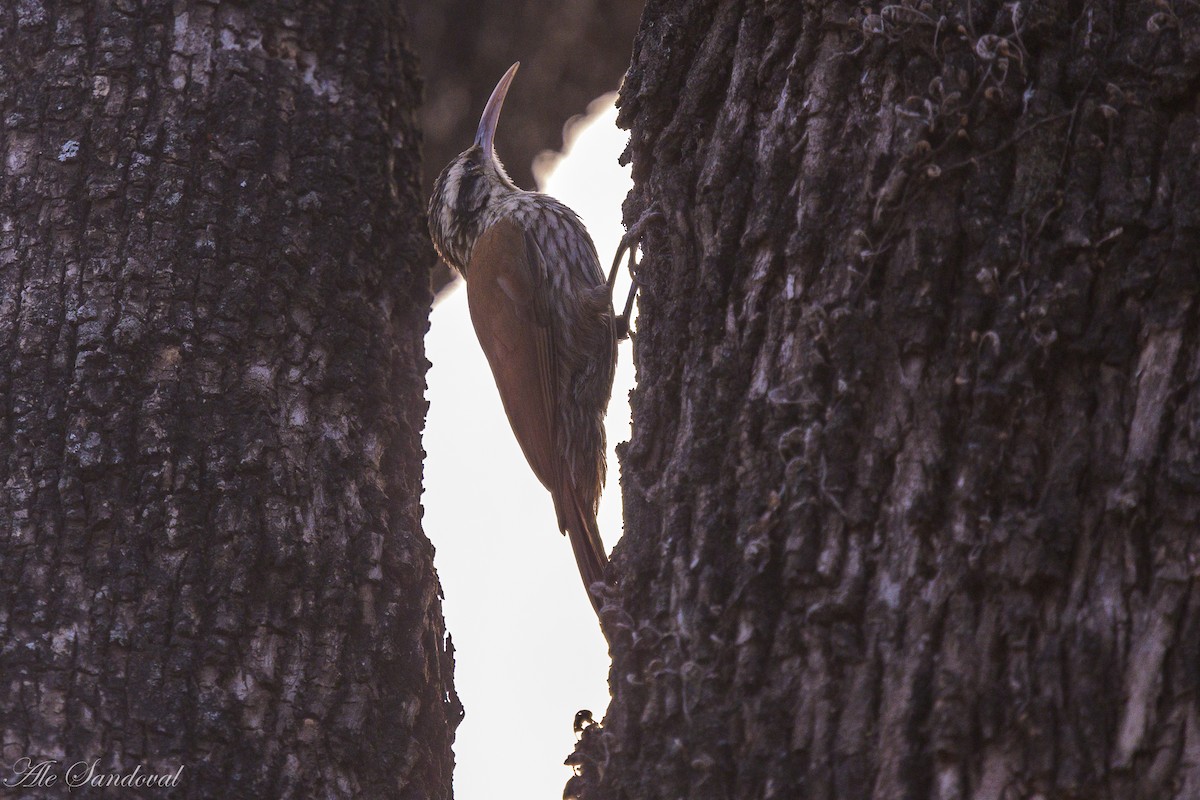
[570, 54]
[913, 493]
[213, 290]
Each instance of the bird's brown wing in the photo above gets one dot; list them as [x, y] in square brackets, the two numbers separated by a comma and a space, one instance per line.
[509, 302]
[509, 308]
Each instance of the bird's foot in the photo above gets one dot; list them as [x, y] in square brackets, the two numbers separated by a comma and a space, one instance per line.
[629, 244]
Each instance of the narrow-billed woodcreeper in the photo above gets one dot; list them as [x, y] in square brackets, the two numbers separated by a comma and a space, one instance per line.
[543, 314]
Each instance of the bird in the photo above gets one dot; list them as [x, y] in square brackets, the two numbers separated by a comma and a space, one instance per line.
[542, 311]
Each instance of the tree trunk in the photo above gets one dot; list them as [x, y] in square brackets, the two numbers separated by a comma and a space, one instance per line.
[212, 296]
[913, 494]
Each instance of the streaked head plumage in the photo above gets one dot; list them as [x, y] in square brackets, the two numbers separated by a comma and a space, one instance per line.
[470, 185]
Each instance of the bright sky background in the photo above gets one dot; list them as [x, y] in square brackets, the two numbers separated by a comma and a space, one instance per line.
[528, 648]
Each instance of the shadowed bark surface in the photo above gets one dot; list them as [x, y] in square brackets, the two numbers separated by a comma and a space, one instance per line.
[570, 54]
[913, 494]
[213, 288]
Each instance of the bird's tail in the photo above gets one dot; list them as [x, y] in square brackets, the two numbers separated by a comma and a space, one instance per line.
[584, 534]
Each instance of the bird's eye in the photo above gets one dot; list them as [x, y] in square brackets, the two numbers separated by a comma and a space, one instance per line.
[468, 196]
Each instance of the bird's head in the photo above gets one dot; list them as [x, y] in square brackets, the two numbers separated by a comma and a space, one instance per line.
[473, 181]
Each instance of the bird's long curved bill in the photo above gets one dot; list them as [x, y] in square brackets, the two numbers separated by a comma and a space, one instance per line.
[486, 135]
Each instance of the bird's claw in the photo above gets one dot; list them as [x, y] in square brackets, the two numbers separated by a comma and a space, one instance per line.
[629, 244]
[621, 323]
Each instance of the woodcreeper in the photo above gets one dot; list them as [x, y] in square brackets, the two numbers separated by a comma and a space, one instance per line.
[543, 314]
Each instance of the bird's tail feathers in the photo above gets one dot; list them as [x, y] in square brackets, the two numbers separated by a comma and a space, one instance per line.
[584, 533]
